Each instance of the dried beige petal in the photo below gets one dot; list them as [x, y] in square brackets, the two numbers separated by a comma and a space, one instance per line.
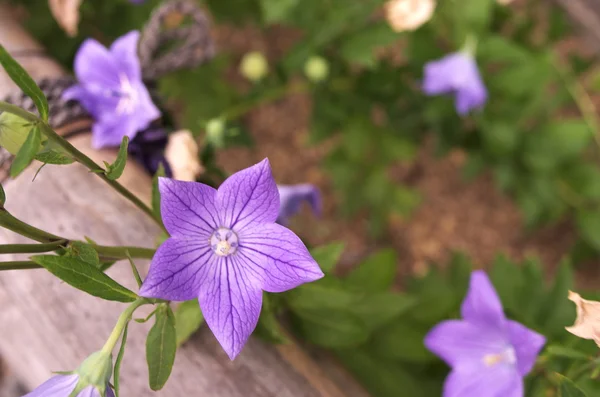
[182, 154]
[505, 2]
[66, 13]
[587, 324]
[405, 15]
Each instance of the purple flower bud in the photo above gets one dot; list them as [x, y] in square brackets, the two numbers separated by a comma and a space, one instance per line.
[148, 148]
[111, 89]
[456, 74]
[489, 354]
[226, 249]
[57, 386]
[291, 198]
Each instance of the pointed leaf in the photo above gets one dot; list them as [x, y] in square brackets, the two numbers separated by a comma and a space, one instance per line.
[566, 352]
[115, 170]
[85, 277]
[327, 256]
[377, 310]
[376, 273]
[27, 152]
[56, 157]
[134, 270]
[331, 329]
[25, 82]
[161, 346]
[188, 319]
[86, 253]
[567, 388]
[119, 360]
[155, 192]
[2, 196]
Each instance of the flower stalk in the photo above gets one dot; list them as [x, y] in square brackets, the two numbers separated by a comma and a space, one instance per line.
[123, 320]
[78, 155]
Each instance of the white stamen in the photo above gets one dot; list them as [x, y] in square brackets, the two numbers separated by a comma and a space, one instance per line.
[224, 241]
[508, 356]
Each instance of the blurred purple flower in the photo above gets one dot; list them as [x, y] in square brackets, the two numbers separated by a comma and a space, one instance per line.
[111, 89]
[456, 74]
[63, 386]
[148, 149]
[291, 198]
[489, 354]
[225, 249]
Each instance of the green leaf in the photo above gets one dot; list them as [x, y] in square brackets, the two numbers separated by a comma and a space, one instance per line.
[188, 319]
[115, 170]
[54, 156]
[567, 388]
[331, 329]
[557, 311]
[134, 270]
[566, 352]
[27, 152]
[274, 11]
[360, 47]
[496, 48]
[436, 299]
[327, 293]
[86, 253]
[119, 360]
[25, 82]
[507, 278]
[268, 327]
[161, 346]
[85, 277]
[160, 172]
[2, 196]
[377, 310]
[402, 341]
[376, 273]
[588, 224]
[327, 256]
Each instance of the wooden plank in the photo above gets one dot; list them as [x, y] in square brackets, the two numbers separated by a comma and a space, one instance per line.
[48, 326]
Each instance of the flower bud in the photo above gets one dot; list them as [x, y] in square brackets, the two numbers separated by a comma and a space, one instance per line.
[13, 132]
[403, 15]
[215, 132]
[96, 371]
[316, 69]
[254, 66]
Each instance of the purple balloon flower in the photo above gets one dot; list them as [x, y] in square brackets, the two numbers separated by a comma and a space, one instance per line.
[63, 386]
[456, 74]
[111, 89]
[489, 354]
[292, 196]
[225, 249]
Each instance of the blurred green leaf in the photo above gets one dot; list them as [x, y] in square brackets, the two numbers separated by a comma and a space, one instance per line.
[268, 328]
[557, 311]
[360, 47]
[160, 172]
[378, 309]
[2, 196]
[330, 328]
[402, 341]
[27, 152]
[56, 157]
[327, 256]
[567, 388]
[496, 48]
[188, 319]
[508, 282]
[327, 293]
[85, 277]
[376, 273]
[115, 170]
[566, 352]
[274, 11]
[161, 346]
[25, 82]
[588, 224]
[436, 298]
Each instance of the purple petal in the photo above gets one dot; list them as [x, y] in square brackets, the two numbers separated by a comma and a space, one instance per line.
[230, 299]
[57, 386]
[109, 131]
[109, 391]
[89, 391]
[94, 64]
[527, 345]
[125, 52]
[188, 208]
[178, 269]
[291, 197]
[472, 97]
[248, 196]
[482, 305]
[495, 381]
[278, 257]
[463, 344]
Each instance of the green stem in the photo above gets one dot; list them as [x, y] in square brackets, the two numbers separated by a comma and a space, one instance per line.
[124, 318]
[31, 248]
[78, 155]
[18, 265]
[13, 224]
[121, 252]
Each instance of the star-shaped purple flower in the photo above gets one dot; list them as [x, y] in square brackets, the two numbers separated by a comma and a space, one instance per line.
[292, 196]
[225, 249]
[64, 385]
[111, 89]
[489, 354]
[456, 74]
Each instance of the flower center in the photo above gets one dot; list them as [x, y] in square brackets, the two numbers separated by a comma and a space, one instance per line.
[508, 356]
[224, 241]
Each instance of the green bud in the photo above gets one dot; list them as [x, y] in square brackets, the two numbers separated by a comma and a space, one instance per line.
[96, 370]
[13, 132]
[254, 66]
[215, 132]
[316, 69]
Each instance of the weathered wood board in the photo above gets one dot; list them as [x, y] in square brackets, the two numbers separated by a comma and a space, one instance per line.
[47, 325]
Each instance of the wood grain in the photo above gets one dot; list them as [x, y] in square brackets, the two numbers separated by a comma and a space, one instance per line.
[47, 325]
